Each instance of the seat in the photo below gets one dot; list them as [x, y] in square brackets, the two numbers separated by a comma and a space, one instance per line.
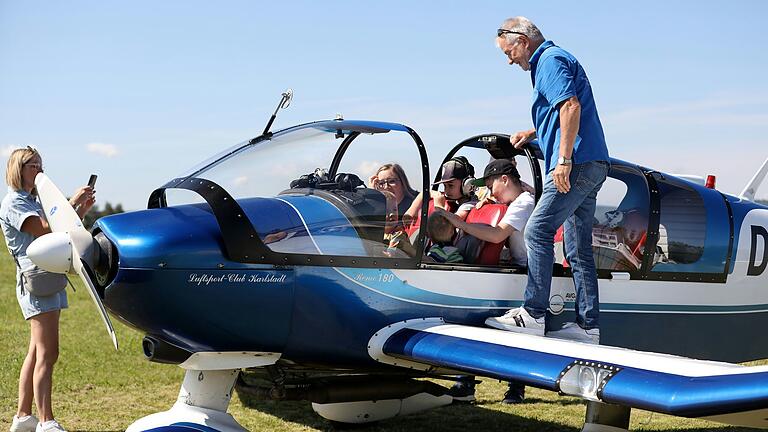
[489, 214]
[413, 229]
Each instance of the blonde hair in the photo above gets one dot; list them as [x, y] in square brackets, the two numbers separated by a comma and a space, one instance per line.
[16, 164]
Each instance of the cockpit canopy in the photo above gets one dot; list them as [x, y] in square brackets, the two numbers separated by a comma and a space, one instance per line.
[329, 188]
[329, 193]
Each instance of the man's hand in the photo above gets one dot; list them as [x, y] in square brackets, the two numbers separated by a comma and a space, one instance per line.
[519, 139]
[561, 178]
[440, 201]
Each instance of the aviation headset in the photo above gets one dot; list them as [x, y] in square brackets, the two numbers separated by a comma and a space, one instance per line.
[348, 182]
[466, 183]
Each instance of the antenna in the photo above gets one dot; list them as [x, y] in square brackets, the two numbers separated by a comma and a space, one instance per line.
[285, 102]
[751, 188]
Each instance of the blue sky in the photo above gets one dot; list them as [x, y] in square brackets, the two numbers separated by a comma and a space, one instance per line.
[140, 91]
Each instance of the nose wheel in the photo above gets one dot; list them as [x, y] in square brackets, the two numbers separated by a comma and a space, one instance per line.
[202, 405]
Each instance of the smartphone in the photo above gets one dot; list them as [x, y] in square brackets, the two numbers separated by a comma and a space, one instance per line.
[92, 180]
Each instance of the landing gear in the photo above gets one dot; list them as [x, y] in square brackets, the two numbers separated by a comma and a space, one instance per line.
[203, 401]
[606, 418]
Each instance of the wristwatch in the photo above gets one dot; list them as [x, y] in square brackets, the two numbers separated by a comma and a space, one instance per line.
[562, 160]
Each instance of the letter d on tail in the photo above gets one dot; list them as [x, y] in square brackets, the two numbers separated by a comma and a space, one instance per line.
[753, 269]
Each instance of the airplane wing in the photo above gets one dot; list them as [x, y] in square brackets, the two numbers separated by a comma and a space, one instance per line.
[721, 392]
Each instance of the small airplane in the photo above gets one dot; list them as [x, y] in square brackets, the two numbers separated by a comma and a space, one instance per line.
[257, 269]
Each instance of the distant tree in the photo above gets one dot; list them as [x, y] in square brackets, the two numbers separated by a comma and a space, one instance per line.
[95, 213]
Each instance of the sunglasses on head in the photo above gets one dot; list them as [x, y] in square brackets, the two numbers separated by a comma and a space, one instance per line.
[501, 32]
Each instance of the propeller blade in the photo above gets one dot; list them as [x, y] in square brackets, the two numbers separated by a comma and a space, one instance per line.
[63, 218]
[60, 214]
[85, 277]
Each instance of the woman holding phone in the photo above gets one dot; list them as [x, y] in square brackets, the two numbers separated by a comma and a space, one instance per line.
[22, 220]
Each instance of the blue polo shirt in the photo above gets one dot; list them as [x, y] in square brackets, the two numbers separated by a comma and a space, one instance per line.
[557, 76]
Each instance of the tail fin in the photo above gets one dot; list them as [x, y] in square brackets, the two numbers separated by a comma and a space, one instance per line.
[749, 191]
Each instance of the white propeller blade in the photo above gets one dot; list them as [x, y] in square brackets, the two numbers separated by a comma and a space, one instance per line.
[60, 214]
[81, 271]
[63, 218]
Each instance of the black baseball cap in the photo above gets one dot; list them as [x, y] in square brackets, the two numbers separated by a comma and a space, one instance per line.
[453, 169]
[497, 167]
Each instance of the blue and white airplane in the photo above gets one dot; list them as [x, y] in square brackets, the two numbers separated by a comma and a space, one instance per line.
[236, 269]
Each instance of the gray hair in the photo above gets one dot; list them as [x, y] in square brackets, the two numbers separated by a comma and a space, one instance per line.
[521, 24]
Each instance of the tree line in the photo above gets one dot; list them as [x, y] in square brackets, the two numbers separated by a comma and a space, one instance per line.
[96, 213]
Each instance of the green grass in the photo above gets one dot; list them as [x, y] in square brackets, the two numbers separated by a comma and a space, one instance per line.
[99, 389]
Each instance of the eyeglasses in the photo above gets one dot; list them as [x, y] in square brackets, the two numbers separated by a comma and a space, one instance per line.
[501, 32]
[388, 182]
[35, 165]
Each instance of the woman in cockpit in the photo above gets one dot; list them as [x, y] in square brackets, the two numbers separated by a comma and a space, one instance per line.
[391, 177]
[22, 219]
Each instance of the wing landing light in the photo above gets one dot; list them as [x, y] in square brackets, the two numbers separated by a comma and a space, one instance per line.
[662, 383]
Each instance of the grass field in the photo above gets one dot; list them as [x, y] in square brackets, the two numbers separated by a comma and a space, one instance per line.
[99, 389]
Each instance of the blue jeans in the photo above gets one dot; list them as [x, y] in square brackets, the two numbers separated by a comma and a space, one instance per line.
[576, 211]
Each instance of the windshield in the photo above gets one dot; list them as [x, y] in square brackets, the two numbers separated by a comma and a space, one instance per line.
[331, 188]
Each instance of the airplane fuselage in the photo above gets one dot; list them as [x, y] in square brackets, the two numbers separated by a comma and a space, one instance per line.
[168, 284]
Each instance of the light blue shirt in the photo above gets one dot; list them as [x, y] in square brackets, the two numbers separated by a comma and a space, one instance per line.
[556, 76]
[16, 207]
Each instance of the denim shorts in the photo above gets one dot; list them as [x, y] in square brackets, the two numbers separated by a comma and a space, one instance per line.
[32, 305]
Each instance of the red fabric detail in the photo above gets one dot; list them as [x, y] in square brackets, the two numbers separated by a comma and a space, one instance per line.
[416, 223]
[489, 214]
[638, 252]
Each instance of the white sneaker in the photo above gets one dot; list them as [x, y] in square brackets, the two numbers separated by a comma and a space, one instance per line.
[518, 320]
[573, 331]
[24, 424]
[49, 426]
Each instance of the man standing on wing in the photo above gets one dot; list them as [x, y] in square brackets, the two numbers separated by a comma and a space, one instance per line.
[576, 161]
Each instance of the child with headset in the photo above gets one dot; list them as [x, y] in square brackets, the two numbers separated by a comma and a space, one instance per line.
[458, 190]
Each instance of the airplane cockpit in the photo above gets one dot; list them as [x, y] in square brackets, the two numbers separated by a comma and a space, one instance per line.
[309, 195]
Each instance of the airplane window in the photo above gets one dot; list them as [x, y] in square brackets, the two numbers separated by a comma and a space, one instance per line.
[266, 169]
[693, 229]
[621, 221]
[368, 154]
[296, 206]
[682, 228]
[389, 166]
